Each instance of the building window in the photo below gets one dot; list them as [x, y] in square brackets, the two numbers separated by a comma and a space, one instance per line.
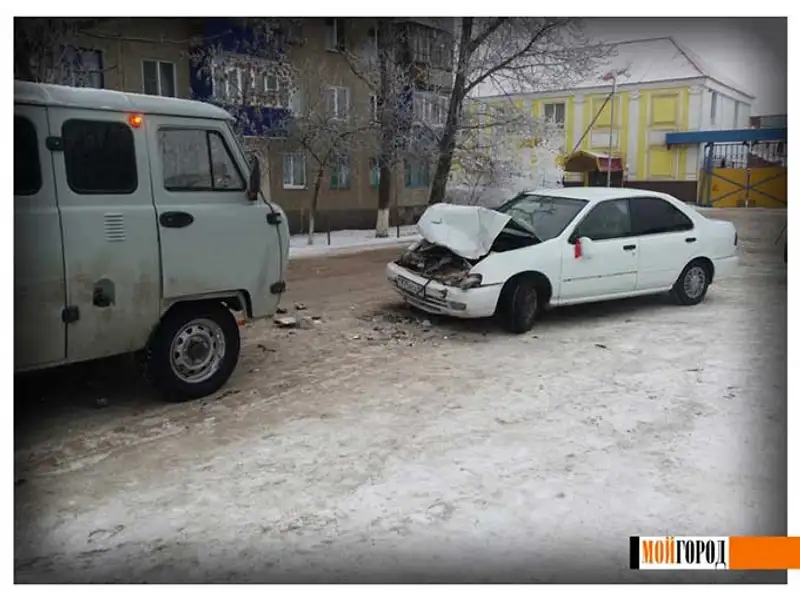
[714, 101]
[198, 160]
[430, 109]
[226, 83]
[334, 35]
[417, 174]
[338, 102]
[340, 173]
[294, 171]
[554, 112]
[27, 168]
[374, 172]
[83, 67]
[99, 157]
[158, 78]
[271, 83]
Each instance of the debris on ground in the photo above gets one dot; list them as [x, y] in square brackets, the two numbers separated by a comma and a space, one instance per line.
[300, 306]
[308, 322]
[286, 322]
[603, 346]
[426, 324]
[101, 402]
[280, 311]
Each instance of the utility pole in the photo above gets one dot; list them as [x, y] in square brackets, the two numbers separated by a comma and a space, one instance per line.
[611, 127]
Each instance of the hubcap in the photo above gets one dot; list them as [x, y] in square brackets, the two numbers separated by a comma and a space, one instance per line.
[197, 350]
[694, 282]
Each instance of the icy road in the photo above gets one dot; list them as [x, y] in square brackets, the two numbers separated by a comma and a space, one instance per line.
[375, 446]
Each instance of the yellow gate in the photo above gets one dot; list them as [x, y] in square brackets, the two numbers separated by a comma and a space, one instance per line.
[744, 175]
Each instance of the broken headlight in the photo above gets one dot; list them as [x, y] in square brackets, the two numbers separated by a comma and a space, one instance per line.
[470, 281]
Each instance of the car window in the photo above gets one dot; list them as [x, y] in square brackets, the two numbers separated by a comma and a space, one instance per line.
[100, 157]
[608, 220]
[547, 216]
[197, 160]
[653, 215]
[27, 168]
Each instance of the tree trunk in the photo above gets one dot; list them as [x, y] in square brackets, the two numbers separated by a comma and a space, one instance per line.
[447, 144]
[312, 215]
[382, 225]
[385, 41]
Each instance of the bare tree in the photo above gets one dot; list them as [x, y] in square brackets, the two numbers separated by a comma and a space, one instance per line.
[410, 104]
[48, 50]
[502, 150]
[329, 128]
[513, 54]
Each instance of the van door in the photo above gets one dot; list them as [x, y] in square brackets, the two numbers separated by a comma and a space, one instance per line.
[39, 287]
[110, 238]
[213, 239]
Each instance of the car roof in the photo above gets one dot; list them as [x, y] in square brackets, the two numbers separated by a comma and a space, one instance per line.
[43, 94]
[597, 194]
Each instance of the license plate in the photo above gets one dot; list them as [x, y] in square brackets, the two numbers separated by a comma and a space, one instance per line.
[408, 286]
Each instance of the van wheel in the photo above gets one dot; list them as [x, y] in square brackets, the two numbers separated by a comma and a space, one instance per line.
[520, 305]
[194, 351]
[692, 285]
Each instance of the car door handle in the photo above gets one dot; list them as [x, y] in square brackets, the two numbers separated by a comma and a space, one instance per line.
[691, 240]
[175, 219]
[629, 247]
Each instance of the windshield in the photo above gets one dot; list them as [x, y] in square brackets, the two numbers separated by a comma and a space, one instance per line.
[547, 216]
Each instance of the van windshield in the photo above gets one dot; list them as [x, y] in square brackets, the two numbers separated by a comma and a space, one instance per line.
[547, 216]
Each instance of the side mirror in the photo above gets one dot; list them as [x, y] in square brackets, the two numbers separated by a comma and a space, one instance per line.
[583, 247]
[254, 185]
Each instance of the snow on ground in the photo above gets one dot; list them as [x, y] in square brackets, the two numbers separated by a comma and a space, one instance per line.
[459, 453]
[349, 240]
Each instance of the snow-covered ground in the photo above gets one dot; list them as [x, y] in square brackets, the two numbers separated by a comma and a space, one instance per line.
[379, 448]
[347, 240]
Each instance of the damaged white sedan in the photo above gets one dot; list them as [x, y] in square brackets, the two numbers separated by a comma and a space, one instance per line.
[561, 246]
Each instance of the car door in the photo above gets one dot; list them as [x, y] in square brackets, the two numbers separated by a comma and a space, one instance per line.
[213, 238]
[39, 286]
[608, 265]
[667, 238]
[111, 258]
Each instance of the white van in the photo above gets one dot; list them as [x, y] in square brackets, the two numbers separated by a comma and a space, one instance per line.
[139, 224]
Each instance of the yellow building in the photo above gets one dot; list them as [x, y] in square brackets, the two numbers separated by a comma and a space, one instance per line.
[661, 88]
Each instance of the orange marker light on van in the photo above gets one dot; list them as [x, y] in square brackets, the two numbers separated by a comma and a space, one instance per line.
[136, 121]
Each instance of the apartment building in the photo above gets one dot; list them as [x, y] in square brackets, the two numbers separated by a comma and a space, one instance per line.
[166, 57]
[661, 88]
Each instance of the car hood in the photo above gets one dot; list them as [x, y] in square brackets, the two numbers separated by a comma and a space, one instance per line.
[468, 231]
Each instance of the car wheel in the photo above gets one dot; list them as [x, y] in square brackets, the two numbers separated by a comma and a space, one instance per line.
[520, 306]
[194, 351]
[692, 285]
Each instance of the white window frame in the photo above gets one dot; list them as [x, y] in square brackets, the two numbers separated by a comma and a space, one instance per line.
[555, 112]
[267, 77]
[332, 35]
[337, 113]
[425, 105]
[293, 156]
[341, 164]
[158, 64]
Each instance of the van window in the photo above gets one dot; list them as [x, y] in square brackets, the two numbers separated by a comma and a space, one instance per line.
[27, 168]
[100, 157]
[198, 160]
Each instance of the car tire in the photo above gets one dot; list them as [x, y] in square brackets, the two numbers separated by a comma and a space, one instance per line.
[520, 305]
[692, 285]
[193, 352]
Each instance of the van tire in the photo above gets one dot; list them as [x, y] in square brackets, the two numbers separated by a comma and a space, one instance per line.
[206, 325]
